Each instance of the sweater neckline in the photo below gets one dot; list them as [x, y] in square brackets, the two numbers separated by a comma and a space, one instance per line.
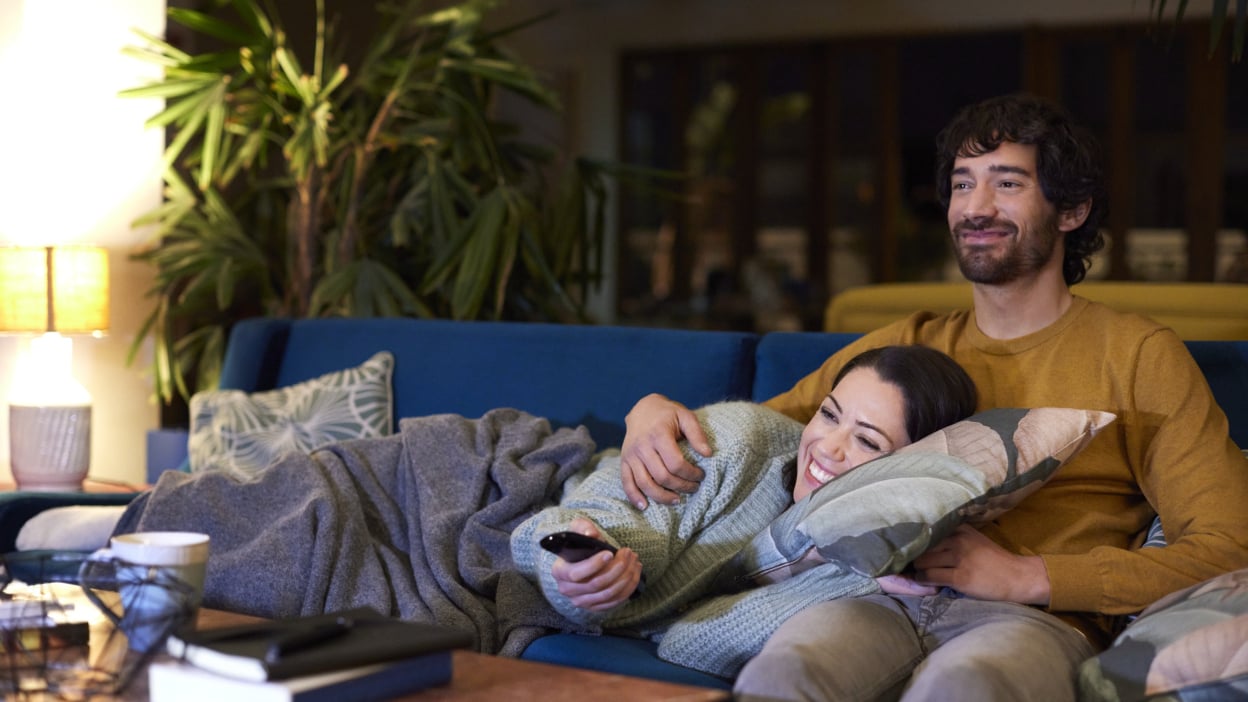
[1005, 347]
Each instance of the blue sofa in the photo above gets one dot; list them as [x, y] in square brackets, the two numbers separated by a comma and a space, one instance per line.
[573, 375]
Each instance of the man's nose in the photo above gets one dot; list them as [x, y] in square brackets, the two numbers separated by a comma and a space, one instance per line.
[979, 204]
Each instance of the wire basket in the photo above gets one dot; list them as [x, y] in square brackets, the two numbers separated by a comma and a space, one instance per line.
[55, 643]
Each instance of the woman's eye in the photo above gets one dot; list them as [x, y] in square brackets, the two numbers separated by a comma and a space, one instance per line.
[828, 414]
[870, 445]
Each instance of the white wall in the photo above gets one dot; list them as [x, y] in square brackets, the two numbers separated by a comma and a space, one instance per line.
[77, 166]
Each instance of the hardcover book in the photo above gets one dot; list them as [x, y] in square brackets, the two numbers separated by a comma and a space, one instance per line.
[290, 648]
[182, 682]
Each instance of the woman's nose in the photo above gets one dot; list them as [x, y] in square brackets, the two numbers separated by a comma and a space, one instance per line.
[833, 446]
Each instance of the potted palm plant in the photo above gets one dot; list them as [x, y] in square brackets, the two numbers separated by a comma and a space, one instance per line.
[301, 185]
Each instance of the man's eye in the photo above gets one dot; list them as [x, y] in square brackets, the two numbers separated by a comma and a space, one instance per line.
[961, 186]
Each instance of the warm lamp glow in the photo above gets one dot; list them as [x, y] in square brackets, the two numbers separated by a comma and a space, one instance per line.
[51, 291]
[54, 289]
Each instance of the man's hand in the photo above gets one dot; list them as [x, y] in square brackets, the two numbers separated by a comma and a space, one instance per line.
[651, 463]
[602, 581]
[974, 565]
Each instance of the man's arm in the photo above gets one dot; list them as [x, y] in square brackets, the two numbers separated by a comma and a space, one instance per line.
[652, 464]
[1192, 474]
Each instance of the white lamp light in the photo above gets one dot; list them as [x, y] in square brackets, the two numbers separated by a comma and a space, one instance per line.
[51, 291]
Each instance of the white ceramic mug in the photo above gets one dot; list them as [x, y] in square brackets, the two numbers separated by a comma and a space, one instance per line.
[160, 577]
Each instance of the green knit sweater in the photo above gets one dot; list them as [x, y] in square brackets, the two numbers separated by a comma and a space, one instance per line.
[748, 483]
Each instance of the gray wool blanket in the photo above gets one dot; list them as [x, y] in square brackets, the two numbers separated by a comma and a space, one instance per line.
[416, 525]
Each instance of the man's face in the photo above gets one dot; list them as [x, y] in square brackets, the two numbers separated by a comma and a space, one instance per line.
[1003, 227]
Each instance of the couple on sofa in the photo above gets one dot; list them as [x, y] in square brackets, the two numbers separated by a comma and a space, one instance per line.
[1032, 593]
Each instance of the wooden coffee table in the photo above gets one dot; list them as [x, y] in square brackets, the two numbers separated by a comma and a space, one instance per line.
[475, 676]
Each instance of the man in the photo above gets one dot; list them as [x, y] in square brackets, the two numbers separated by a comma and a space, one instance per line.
[1023, 601]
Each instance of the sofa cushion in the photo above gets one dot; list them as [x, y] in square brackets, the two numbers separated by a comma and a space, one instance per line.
[1191, 644]
[243, 432]
[881, 515]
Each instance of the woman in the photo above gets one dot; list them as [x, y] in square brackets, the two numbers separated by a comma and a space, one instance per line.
[762, 463]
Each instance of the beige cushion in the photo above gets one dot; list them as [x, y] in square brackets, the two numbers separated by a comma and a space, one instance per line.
[884, 513]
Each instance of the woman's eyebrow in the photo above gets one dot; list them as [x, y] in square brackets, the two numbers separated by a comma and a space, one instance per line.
[874, 428]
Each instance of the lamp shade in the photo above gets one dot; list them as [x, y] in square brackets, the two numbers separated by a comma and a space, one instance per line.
[54, 289]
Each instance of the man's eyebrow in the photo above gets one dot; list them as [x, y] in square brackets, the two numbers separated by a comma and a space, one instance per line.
[1006, 168]
[995, 168]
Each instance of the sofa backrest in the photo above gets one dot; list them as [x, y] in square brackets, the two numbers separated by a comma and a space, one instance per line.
[785, 357]
[1225, 365]
[570, 374]
[589, 375]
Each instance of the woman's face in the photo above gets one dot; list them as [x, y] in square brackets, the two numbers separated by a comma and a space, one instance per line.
[863, 418]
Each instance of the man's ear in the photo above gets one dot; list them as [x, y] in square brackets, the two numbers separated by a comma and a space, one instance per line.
[1073, 218]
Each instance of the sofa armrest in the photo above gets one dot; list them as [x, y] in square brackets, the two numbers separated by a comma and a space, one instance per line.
[19, 506]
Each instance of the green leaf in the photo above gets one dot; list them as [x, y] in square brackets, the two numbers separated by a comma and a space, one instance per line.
[212, 140]
[476, 269]
[160, 45]
[169, 88]
[523, 82]
[213, 27]
[1216, 21]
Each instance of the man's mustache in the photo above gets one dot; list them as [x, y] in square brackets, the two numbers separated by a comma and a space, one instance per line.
[979, 225]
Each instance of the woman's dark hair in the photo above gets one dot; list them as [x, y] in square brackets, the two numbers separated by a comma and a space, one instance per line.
[935, 389]
[1068, 162]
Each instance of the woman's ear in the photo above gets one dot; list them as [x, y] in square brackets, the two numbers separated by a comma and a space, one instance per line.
[1073, 218]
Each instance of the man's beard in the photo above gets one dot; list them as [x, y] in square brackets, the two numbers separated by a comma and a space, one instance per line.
[980, 264]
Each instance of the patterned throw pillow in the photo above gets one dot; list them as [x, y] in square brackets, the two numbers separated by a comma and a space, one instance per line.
[1189, 645]
[881, 515]
[242, 433]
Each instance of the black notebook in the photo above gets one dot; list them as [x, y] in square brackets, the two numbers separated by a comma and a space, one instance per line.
[289, 648]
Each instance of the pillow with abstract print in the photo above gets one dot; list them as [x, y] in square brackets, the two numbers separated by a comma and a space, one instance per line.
[884, 513]
[1189, 645]
[244, 432]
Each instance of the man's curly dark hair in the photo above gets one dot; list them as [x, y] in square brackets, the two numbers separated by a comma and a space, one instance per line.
[1068, 162]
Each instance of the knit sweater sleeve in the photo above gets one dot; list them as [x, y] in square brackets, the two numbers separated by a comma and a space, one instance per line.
[1175, 437]
[680, 546]
[721, 633]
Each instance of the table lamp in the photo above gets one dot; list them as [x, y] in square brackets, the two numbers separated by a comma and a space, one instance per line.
[51, 291]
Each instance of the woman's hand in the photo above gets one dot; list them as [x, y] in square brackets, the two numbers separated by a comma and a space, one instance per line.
[902, 585]
[602, 581]
[651, 463]
[975, 565]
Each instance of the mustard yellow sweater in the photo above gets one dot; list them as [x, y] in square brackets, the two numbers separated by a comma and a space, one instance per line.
[1169, 453]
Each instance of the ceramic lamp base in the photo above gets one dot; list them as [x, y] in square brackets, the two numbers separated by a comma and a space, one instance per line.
[49, 447]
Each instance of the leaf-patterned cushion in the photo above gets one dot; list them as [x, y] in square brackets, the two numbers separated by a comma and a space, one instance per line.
[244, 432]
[884, 513]
[1189, 645]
